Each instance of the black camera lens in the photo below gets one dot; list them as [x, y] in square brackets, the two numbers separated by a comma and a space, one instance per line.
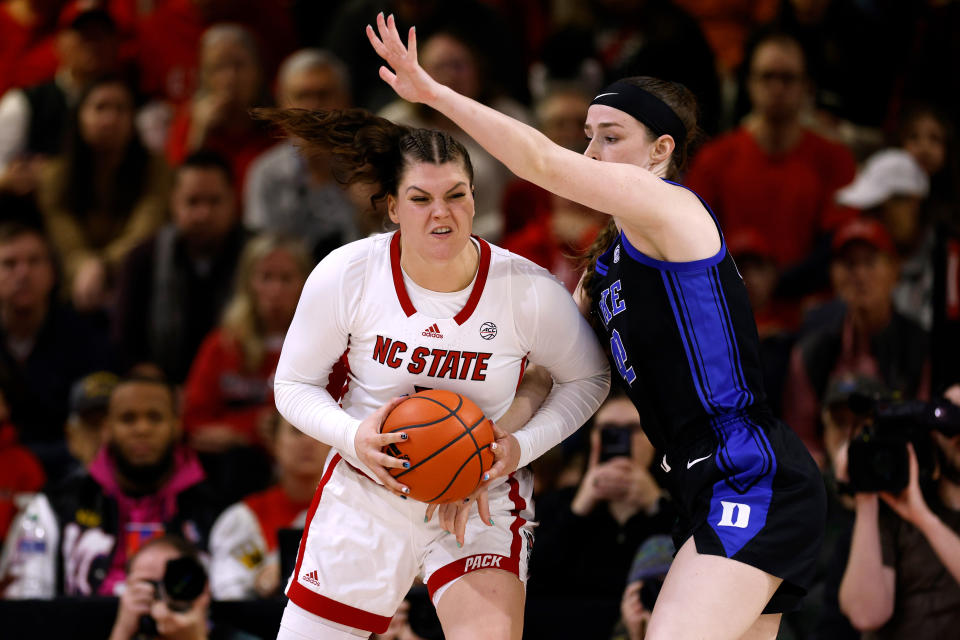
[183, 582]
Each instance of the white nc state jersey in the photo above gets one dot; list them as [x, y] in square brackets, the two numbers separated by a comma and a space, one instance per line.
[398, 338]
[396, 348]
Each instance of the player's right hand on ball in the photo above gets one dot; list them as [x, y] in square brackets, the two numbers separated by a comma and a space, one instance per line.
[369, 443]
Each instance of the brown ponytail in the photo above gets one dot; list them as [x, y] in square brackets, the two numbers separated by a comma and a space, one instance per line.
[588, 260]
[364, 148]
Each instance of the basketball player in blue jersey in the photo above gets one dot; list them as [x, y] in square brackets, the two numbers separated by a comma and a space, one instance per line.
[674, 311]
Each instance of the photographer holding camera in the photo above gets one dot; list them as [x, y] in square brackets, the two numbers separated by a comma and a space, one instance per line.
[166, 596]
[588, 534]
[903, 574]
[145, 610]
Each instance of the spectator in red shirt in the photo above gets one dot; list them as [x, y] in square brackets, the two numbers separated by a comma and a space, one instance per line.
[169, 38]
[229, 389]
[775, 175]
[217, 118]
[20, 472]
[27, 49]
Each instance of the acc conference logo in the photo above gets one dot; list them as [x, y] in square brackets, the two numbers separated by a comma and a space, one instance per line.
[488, 331]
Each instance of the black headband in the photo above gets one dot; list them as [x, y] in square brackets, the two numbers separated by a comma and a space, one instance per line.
[645, 107]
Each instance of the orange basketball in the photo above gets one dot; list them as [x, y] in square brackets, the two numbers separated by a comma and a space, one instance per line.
[447, 446]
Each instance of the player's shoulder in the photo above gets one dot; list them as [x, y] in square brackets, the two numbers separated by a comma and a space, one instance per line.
[354, 257]
[506, 261]
[526, 277]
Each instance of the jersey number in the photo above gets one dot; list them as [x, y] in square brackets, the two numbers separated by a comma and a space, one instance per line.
[620, 357]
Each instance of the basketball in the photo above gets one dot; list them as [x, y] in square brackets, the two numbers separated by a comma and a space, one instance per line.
[447, 446]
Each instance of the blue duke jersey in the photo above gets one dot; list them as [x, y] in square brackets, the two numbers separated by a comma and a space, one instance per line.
[684, 344]
[682, 338]
[394, 337]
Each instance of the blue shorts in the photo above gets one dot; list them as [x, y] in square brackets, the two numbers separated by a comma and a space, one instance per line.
[748, 490]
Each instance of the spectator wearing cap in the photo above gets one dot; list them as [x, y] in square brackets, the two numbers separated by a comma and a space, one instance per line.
[891, 187]
[33, 121]
[44, 346]
[287, 193]
[870, 337]
[774, 174]
[86, 423]
[777, 319]
[649, 568]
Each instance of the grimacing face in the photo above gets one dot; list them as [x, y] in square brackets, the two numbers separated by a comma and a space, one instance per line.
[434, 207]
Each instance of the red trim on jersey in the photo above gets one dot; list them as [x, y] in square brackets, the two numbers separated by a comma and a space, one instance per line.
[482, 272]
[511, 563]
[523, 367]
[401, 288]
[407, 305]
[339, 379]
[321, 605]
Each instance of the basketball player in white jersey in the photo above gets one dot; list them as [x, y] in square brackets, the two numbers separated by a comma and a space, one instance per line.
[427, 306]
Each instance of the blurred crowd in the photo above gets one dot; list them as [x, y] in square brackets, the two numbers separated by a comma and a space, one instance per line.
[154, 239]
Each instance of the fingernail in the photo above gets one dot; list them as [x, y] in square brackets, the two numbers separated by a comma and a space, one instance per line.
[491, 522]
[403, 436]
[493, 445]
[445, 532]
[391, 17]
[404, 497]
[406, 465]
[459, 544]
[486, 477]
[403, 395]
[426, 519]
[466, 500]
[406, 490]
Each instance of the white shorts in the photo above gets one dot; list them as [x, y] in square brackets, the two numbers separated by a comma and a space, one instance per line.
[363, 546]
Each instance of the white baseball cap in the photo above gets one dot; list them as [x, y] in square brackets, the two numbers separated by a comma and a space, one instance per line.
[888, 173]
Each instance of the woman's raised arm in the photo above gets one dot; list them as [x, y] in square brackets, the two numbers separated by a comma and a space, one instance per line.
[644, 204]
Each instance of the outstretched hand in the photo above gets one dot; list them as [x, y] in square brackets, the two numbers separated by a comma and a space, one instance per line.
[407, 77]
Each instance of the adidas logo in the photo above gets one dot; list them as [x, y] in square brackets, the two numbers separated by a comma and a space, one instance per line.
[311, 578]
[433, 331]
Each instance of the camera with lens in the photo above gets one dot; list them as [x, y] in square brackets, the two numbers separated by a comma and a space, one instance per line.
[184, 580]
[878, 458]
